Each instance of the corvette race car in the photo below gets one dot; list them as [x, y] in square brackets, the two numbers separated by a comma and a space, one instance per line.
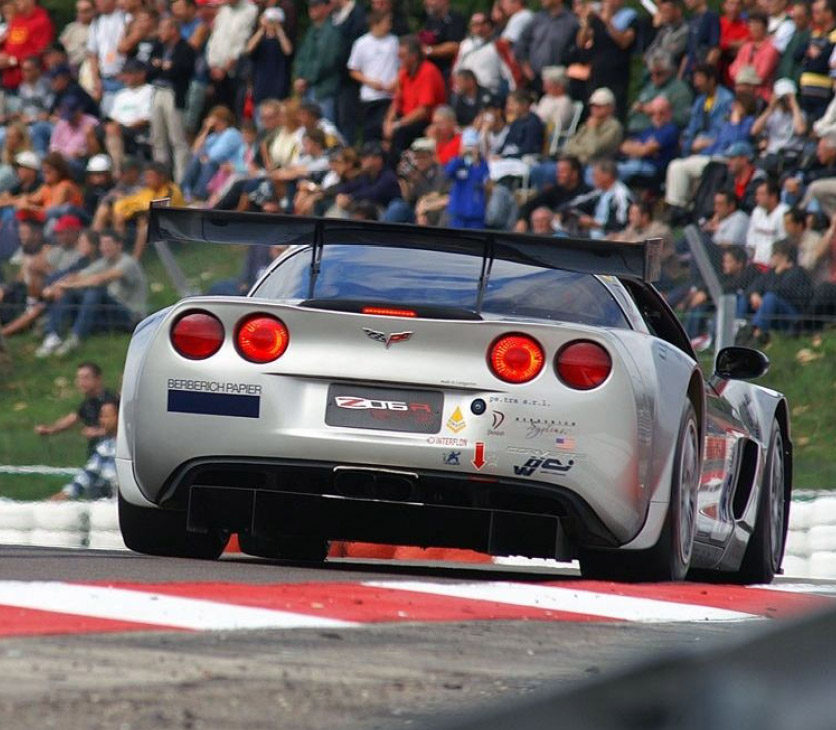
[512, 394]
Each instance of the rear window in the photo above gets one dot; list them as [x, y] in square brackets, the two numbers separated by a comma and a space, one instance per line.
[421, 277]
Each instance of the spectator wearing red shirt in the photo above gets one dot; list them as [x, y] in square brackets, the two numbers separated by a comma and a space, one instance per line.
[30, 32]
[448, 142]
[734, 32]
[420, 90]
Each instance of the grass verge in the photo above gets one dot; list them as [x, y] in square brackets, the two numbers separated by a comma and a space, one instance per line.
[42, 390]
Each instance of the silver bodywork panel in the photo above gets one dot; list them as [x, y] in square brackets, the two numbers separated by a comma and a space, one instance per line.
[347, 395]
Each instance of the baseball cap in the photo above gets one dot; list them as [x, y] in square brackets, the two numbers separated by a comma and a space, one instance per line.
[274, 15]
[602, 97]
[423, 144]
[740, 149]
[748, 75]
[133, 65]
[69, 107]
[28, 159]
[370, 149]
[62, 69]
[784, 87]
[470, 137]
[99, 163]
[67, 223]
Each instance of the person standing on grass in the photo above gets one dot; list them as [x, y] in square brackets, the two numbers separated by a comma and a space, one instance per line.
[88, 381]
[97, 480]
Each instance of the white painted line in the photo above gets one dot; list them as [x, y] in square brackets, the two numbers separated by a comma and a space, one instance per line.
[157, 609]
[549, 598]
[822, 588]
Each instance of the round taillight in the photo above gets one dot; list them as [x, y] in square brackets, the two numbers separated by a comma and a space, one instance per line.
[197, 335]
[516, 358]
[261, 338]
[583, 365]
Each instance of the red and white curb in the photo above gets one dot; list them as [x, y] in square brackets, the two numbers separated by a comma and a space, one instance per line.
[42, 608]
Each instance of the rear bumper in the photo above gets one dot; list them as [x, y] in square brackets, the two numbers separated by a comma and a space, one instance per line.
[375, 504]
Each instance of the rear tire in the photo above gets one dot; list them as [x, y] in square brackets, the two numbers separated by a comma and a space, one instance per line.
[765, 551]
[670, 558]
[297, 549]
[162, 532]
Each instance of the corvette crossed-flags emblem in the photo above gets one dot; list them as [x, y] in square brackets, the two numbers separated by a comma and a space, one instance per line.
[387, 338]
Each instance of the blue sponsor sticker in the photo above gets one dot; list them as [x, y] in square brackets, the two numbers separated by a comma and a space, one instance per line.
[452, 458]
[214, 404]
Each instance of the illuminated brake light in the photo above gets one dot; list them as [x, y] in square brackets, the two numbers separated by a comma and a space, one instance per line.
[516, 358]
[261, 338]
[197, 335]
[583, 365]
[389, 312]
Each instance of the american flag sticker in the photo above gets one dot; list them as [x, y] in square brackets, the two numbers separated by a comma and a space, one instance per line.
[567, 443]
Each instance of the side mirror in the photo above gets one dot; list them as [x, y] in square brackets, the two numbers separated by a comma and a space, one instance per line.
[741, 363]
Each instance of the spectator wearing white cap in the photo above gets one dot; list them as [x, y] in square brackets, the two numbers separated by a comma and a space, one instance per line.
[601, 134]
[271, 52]
[423, 185]
[27, 172]
[782, 125]
[98, 183]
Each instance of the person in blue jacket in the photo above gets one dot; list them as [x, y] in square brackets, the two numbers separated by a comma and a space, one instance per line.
[469, 173]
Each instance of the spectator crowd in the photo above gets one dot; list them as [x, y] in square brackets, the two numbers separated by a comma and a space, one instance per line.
[593, 120]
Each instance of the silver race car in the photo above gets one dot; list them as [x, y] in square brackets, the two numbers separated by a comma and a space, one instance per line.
[513, 394]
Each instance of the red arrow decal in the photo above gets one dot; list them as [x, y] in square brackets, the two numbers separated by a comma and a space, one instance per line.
[479, 460]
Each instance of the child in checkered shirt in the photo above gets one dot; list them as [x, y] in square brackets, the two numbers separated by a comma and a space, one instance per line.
[97, 480]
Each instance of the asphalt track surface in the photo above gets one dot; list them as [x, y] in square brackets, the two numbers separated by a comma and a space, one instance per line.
[115, 640]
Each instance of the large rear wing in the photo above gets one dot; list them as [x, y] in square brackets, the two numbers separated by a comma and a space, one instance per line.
[641, 260]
